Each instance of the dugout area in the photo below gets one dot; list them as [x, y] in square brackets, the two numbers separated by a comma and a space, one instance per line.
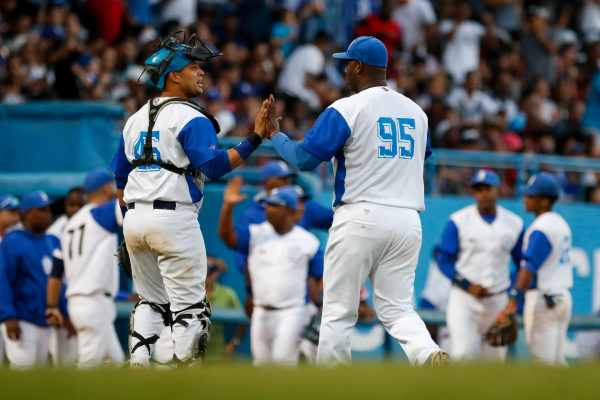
[359, 381]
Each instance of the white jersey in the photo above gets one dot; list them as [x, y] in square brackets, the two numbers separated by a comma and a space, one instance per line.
[383, 137]
[485, 249]
[89, 244]
[149, 183]
[556, 272]
[279, 265]
[58, 227]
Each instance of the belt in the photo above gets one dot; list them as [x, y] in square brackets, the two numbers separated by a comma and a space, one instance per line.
[269, 308]
[107, 294]
[157, 205]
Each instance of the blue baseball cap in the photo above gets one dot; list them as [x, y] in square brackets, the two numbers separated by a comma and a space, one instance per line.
[37, 199]
[96, 179]
[366, 49]
[485, 177]
[8, 202]
[542, 184]
[284, 196]
[276, 168]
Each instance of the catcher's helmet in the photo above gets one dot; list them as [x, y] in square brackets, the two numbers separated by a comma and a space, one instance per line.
[172, 55]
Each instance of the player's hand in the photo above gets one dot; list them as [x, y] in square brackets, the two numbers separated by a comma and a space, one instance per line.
[232, 194]
[511, 308]
[228, 350]
[54, 316]
[260, 120]
[13, 331]
[365, 311]
[272, 121]
[478, 290]
[70, 328]
[249, 305]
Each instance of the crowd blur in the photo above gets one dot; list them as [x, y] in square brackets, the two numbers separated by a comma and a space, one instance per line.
[496, 75]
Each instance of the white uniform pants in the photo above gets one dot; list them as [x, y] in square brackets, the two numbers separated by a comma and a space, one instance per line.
[93, 318]
[63, 349]
[31, 349]
[383, 243]
[468, 318]
[168, 261]
[546, 328]
[275, 335]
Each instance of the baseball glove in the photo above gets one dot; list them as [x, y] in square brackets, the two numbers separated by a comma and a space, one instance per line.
[503, 332]
[312, 330]
[124, 261]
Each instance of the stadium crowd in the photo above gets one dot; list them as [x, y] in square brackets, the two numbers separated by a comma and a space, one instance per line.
[497, 75]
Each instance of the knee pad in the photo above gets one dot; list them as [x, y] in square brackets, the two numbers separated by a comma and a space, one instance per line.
[201, 312]
[163, 310]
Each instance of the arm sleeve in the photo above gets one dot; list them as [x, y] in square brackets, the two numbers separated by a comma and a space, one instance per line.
[537, 251]
[243, 236]
[517, 251]
[121, 165]
[58, 268]
[316, 216]
[7, 276]
[328, 135]
[428, 146]
[294, 153]
[217, 167]
[315, 265]
[198, 140]
[106, 216]
[447, 250]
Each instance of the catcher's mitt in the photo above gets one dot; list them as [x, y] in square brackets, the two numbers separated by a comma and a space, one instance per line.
[503, 332]
[312, 330]
[124, 261]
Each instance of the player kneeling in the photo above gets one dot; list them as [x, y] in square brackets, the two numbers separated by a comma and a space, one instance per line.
[281, 258]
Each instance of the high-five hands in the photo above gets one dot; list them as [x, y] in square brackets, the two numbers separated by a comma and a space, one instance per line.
[272, 120]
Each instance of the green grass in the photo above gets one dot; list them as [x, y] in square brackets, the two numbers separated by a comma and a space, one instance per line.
[360, 381]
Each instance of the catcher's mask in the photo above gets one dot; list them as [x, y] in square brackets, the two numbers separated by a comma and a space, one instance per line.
[172, 55]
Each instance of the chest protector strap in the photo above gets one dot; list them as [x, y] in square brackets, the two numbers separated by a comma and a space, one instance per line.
[148, 158]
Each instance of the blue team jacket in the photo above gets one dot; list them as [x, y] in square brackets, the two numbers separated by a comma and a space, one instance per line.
[25, 263]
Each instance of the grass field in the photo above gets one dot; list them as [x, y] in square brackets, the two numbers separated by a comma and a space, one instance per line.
[360, 381]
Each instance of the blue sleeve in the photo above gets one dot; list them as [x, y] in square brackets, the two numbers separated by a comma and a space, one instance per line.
[217, 167]
[121, 165]
[58, 268]
[328, 135]
[517, 251]
[447, 250]
[294, 153]
[315, 265]
[199, 142]
[8, 269]
[316, 216]
[106, 216]
[243, 239]
[538, 250]
[428, 147]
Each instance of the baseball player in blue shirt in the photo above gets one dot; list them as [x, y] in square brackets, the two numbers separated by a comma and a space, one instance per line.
[25, 263]
[377, 141]
[474, 253]
[9, 216]
[546, 274]
[167, 150]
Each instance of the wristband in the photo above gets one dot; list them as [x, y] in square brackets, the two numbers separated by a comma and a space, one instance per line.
[235, 342]
[461, 282]
[254, 140]
[516, 294]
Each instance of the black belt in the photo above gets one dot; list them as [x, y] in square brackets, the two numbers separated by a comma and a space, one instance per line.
[107, 294]
[270, 308]
[157, 205]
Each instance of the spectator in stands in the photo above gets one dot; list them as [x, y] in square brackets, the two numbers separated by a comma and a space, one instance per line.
[417, 20]
[284, 32]
[538, 47]
[471, 104]
[298, 78]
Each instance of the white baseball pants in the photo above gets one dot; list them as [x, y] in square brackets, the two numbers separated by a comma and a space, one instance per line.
[546, 328]
[31, 349]
[275, 335]
[468, 318]
[63, 350]
[168, 261]
[383, 243]
[97, 342]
